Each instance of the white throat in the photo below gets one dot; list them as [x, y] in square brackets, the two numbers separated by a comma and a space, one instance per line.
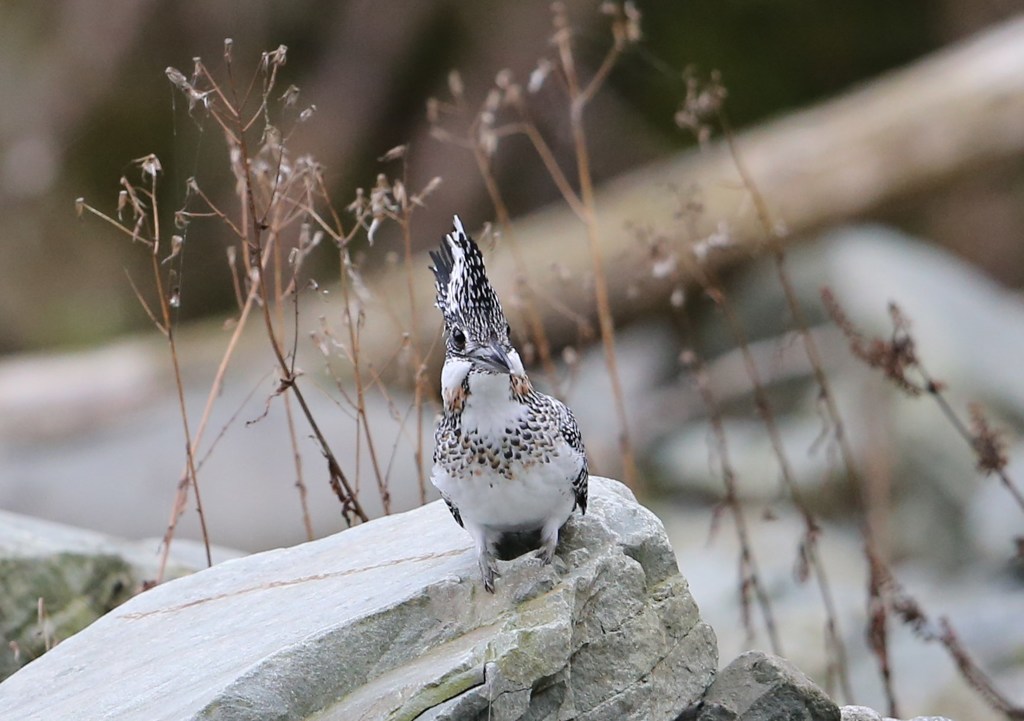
[489, 408]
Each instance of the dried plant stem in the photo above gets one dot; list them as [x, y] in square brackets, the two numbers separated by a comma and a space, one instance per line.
[915, 617]
[814, 357]
[934, 389]
[215, 389]
[750, 578]
[165, 325]
[533, 316]
[168, 326]
[973, 673]
[300, 484]
[895, 358]
[190, 456]
[879, 568]
[418, 364]
[253, 226]
[878, 625]
[578, 100]
[362, 420]
[809, 544]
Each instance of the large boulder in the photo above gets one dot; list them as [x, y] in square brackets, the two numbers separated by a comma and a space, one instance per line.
[55, 580]
[390, 620]
[760, 686]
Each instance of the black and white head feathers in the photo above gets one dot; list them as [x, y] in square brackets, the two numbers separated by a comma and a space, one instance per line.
[472, 312]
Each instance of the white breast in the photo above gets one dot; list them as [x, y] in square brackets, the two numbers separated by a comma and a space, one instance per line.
[525, 496]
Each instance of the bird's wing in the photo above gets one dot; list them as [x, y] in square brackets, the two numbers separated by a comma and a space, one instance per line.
[455, 511]
[571, 433]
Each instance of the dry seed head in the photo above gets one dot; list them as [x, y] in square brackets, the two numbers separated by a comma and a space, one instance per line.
[491, 104]
[276, 57]
[455, 85]
[488, 140]
[176, 242]
[633, 16]
[150, 165]
[989, 445]
[380, 198]
[503, 79]
[664, 266]
[394, 154]
[560, 14]
[371, 233]
[398, 191]
[358, 205]
[721, 238]
[427, 190]
[290, 97]
[513, 94]
[539, 75]
[177, 78]
[678, 297]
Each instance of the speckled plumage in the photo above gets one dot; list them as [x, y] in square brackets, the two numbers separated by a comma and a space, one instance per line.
[507, 459]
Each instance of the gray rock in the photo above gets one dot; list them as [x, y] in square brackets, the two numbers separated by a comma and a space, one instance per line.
[56, 580]
[761, 687]
[389, 620]
[863, 713]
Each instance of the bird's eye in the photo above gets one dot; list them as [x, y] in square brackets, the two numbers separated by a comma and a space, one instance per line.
[458, 338]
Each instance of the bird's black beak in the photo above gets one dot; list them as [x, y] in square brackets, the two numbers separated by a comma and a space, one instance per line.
[492, 357]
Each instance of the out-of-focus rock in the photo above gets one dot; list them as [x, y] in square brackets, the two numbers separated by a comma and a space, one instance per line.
[55, 580]
[761, 687]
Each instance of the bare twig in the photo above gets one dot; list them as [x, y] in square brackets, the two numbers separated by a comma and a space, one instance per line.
[899, 361]
[750, 578]
[578, 99]
[911, 613]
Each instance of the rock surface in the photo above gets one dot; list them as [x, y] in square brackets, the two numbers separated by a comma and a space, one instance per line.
[389, 620]
[55, 580]
[758, 686]
[863, 713]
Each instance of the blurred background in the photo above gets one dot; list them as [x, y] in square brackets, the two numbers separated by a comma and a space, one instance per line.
[85, 93]
[90, 432]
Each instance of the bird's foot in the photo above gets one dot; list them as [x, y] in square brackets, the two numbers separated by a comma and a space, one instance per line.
[489, 572]
[546, 554]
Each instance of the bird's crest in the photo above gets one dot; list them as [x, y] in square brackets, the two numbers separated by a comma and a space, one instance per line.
[464, 294]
